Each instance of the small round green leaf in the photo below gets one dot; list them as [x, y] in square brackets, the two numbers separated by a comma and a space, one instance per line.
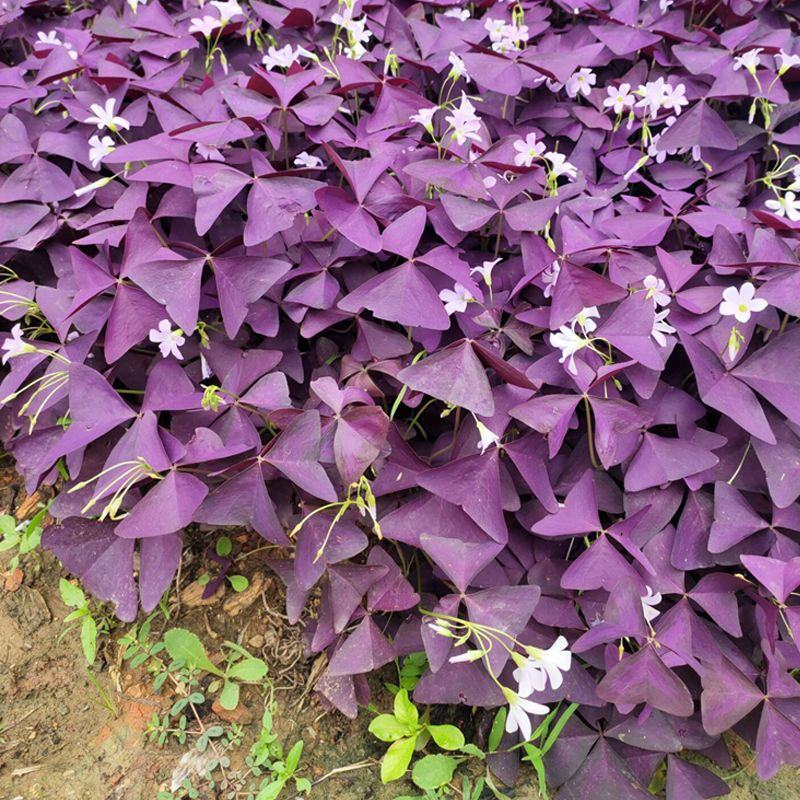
[248, 669]
[229, 696]
[448, 737]
[431, 772]
[387, 728]
[238, 582]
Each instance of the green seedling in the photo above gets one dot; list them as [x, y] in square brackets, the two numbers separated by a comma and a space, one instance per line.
[238, 667]
[23, 537]
[90, 626]
[407, 734]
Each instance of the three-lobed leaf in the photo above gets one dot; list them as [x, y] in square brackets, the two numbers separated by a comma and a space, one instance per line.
[448, 737]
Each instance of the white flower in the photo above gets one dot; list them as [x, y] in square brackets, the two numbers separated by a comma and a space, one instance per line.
[459, 68]
[343, 20]
[355, 51]
[275, 58]
[560, 166]
[488, 437]
[553, 661]
[489, 181]
[464, 121]
[652, 96]
[205, 371]
[506, 38]
[458, 13]
[674, 98]
[619, 98]
[553, 86]
[104, 117]
[661, 327]
[527, 150]
[455, 299]
[585, 318]
[468, 656]
[168, 340]
[664, 5]
[659, 156]
[355, 27]
[301, 51]
[655, 290]
[71, 51]
[134, 4]
[228, 9]
[741, 302]
[649, 603]
[786, 61]
[515, 33]
[494, 27]
[90, 187]
[568, 342]
[485, 270]
[207, 25]
[518, 711]
[50, 38]
[357, 32]
[581, 82]
[99, 149]
[786, 206]
[550, 278]
[735, 342]
[503, 46]
[14, 346]
[424, 117]
[441, 627]
[307, 160]
[530, 677]
[749, 60]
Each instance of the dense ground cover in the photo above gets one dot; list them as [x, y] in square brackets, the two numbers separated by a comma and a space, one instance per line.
[484, 318]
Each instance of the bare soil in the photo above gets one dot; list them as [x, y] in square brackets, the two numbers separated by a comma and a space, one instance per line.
[60, 739]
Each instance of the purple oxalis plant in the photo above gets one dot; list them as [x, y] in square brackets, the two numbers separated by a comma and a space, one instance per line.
[484, 317]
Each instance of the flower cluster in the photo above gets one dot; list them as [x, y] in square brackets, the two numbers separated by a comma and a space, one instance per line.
[534, 667]
[505, 37]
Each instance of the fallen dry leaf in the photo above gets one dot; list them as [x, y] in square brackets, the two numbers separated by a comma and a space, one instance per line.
[241, 715]
[192, 595]
[28, 506]
[14, 580]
